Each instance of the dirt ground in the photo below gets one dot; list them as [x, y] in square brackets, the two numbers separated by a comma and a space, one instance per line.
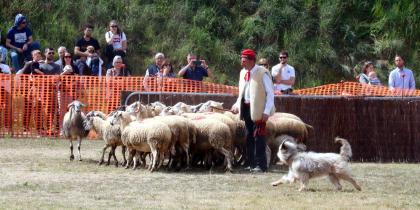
[37, 174]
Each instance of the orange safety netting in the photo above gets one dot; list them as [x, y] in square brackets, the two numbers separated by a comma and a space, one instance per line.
[356, 89]
[35, 105]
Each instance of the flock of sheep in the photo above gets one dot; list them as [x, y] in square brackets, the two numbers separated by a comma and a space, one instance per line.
[184, 135]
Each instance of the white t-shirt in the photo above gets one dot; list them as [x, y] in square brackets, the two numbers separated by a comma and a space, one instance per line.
[287, 72]
[117, 39]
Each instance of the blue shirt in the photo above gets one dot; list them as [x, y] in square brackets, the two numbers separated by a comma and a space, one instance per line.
[18, 38]
[152, 70]
[197, 74]
[402, 78]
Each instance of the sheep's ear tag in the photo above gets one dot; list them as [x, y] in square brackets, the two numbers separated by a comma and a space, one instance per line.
[137, 110]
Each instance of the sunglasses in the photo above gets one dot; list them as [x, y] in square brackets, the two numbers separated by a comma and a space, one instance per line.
[113, 26]
[263, 64]
[282, 57]
[24, 22]
[51, 53]
[67, 56]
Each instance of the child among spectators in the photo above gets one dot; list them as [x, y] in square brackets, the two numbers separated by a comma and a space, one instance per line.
[373, 78]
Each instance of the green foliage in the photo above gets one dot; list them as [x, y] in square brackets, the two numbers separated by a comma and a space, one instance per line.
[326, 40]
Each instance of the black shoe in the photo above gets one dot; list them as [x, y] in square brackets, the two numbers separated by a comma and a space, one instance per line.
[248, 168]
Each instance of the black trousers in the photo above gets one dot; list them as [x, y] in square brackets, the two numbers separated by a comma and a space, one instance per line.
[255, 145]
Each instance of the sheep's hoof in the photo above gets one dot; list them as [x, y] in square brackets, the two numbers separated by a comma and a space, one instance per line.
[107, 163]
[124, 163]
[71, 157]
[100, 162]
[116, 164]
[80, 159]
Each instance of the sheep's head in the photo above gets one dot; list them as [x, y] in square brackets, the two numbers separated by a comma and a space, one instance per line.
[211, 106]
[167, 111]
[76, 106]
[117, 118]
[158, 104]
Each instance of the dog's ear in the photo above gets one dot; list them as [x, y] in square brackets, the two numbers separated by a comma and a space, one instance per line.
[301, 147]
[286, 145]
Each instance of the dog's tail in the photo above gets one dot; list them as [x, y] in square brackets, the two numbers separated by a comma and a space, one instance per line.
[345, 150]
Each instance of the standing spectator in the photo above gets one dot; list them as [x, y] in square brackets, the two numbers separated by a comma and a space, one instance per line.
[19, 40]
[80, 50]
[401, 77]
[116, 41]
[196, 69]
[61, 50]
[264, 62]
[153, 70]
[255, 104]
[118, 69]
[367, 68]
[283, 74]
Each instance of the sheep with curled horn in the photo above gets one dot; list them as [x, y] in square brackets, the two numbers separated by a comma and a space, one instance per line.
[74, 126]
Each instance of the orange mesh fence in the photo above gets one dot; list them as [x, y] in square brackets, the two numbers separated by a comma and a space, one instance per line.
[356, 89]
[35, 105]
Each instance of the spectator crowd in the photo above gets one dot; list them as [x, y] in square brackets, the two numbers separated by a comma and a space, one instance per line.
[88, 58]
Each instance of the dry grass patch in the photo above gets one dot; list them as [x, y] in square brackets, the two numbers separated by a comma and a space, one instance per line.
[37, 174]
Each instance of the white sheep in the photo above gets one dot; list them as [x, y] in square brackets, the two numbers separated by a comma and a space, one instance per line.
[212, 133]
[183, 133]
[146, 136]
[73, 126]
[110, 134]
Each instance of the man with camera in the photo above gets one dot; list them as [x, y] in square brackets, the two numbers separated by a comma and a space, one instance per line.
[196, 69]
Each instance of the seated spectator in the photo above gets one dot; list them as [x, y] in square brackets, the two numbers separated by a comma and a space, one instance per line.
[116, 41]
[95, 67]
[19, 41]
[373, 78]
[61, 50]
[4, 69]
[367, 68]
[118, 68]
[153, 70]
[3, 52]
[69, 67]
[35, 64]
[49, 67]
[32, 67]
[81, 53]
[196, 69]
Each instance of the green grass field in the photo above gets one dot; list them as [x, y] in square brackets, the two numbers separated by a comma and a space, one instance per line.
[37, 174]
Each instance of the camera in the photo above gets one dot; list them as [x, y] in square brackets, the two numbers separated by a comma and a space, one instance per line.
[197, 62]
